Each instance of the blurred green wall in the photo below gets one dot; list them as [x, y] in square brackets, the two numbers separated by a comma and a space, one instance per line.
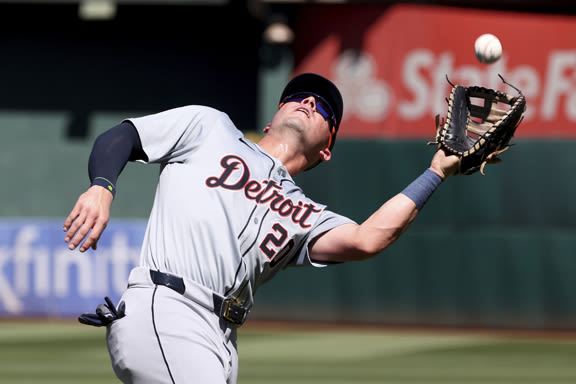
[44, 170]
[494, 250]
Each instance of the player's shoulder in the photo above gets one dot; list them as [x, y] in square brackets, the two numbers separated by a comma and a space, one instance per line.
[210, 114]
[202, 110]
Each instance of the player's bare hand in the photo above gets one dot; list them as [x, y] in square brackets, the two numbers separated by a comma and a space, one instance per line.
[88, 218]
[445, 164]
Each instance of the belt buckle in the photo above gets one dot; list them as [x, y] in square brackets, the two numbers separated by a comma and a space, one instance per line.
[233, 312]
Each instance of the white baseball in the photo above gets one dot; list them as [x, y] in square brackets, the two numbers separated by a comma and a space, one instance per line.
[488, 48]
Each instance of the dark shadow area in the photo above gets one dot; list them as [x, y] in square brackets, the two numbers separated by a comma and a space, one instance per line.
[147, 59]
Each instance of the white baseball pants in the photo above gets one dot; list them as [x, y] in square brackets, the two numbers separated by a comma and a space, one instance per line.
[168, 338]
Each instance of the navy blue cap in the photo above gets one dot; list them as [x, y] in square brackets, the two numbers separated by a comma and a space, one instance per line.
[314, 83]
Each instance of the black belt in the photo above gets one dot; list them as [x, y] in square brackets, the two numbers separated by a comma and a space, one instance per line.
[225, 307]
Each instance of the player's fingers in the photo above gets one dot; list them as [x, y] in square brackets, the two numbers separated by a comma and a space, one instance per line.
[76, 222]
[94, 236]
[71, 217]
[75, 219]
[77, 233]
[88, 219]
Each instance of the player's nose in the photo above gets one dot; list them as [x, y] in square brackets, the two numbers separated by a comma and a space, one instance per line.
[311, 101]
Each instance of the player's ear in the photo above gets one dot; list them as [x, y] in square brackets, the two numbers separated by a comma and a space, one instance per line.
[325, 154]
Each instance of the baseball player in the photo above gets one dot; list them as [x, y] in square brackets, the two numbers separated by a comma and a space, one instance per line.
[227, 216]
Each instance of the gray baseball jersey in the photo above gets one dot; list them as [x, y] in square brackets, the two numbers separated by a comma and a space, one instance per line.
[225, 211]
[226, 217]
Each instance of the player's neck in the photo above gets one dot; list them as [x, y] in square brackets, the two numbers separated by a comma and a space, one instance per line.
[294, 161]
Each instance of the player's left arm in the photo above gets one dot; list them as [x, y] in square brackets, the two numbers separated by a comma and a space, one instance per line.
[353, 242]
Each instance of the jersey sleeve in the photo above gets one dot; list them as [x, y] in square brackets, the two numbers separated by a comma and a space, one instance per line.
[169, 136]
[327, 221]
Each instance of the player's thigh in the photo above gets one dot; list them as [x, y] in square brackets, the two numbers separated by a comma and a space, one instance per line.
[134, 350]
[165, 338]
[194, 345]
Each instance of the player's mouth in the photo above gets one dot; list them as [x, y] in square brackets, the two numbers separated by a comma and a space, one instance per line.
[304, 110]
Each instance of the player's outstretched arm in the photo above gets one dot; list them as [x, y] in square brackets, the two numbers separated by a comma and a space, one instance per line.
[352, 242]
[88, 219]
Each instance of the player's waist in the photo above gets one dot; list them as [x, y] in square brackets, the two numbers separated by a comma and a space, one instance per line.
[225, 307]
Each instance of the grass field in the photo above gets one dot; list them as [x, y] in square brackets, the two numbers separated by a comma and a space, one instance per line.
[57, 352]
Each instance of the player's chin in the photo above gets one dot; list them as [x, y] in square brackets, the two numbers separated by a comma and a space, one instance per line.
[297, 124]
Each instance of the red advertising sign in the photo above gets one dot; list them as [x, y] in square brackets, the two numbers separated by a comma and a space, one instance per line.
[391, 64]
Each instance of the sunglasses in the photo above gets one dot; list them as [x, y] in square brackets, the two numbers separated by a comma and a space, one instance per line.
[322, 107]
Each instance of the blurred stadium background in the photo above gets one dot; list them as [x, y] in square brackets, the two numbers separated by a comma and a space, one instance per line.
[493, 252]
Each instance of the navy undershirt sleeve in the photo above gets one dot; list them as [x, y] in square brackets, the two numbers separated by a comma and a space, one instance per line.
[111, 152]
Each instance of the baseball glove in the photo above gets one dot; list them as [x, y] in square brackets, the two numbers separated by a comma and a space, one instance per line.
[479, 124]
